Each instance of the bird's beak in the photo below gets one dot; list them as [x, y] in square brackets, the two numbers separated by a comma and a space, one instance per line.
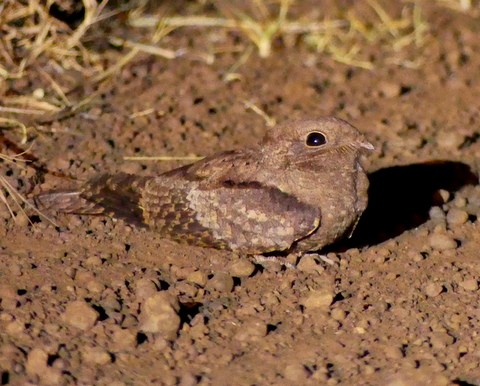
[365, 145]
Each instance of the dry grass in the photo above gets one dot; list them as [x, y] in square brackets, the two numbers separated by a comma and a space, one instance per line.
[344, 39]
[390, 36]
[43, 50]
[36, 46]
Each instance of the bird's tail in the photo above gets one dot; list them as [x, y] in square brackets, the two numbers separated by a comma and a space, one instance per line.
[112, 195]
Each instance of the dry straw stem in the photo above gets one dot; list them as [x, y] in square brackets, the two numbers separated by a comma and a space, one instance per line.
[269, 121]
[8, 123]
[163, 158]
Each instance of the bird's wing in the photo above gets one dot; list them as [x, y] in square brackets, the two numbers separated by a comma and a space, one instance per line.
[244, 216]
[233, 166]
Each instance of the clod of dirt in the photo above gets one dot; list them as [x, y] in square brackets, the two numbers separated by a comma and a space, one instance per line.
[436, 213]
[144, 288]
[96, 355]
[338, 314]
[296, 372]
[318, 299]
[241, 268]
[221, 282]
[199, 278]
[442, 242]
[8, 297]
[37, 366]
[456, 216]
[80, 315]
[122, 339]
[450, 139]
[309, 264]
[469, 284]
[440, 340]
[160, 315]
[433, 289]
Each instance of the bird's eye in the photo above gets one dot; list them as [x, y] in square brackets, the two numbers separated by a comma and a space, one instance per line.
[315, 138]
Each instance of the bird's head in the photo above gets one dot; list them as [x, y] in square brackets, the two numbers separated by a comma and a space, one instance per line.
[303, 141]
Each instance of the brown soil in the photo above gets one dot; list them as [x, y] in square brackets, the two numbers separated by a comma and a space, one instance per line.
[95, 301]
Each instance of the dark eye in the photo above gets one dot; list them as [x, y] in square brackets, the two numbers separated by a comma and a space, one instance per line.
[315, 138]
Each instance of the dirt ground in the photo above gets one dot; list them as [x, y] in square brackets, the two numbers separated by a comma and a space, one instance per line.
[96, 301]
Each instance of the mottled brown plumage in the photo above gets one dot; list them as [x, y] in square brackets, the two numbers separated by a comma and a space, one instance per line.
[301, 188]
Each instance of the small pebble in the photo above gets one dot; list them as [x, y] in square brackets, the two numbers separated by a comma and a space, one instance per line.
[111, 303]
[123, 339]
[199, 278]
[392, 352]
[389, 89]
[296, 372]
[16, 269]
[456, 216]
[7, 291]
[83, 277]
[309, 264]
[93, 261]
[80, 315]
[6, 317]
[36, 362]
[442, 242]
[444, 195]
[433, 289]
[436, 213]
[338, 314]
[96, 355]
[469, 284]
[440, 340]
[160, 315]
[9, 304]
[416, 256]
[318, 299]
[460, 202]
[38, 93]
[15, 328]
[241, 268]
[220, 282]
[451, 139]
[95, 286]
[21, 219]
[144, 288]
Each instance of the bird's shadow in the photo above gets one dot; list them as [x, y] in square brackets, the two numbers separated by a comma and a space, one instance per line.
[400, 198]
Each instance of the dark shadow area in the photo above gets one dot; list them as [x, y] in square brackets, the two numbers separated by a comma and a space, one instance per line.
[400, 198]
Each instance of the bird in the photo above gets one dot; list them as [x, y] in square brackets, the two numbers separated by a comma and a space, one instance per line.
[300, 188]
